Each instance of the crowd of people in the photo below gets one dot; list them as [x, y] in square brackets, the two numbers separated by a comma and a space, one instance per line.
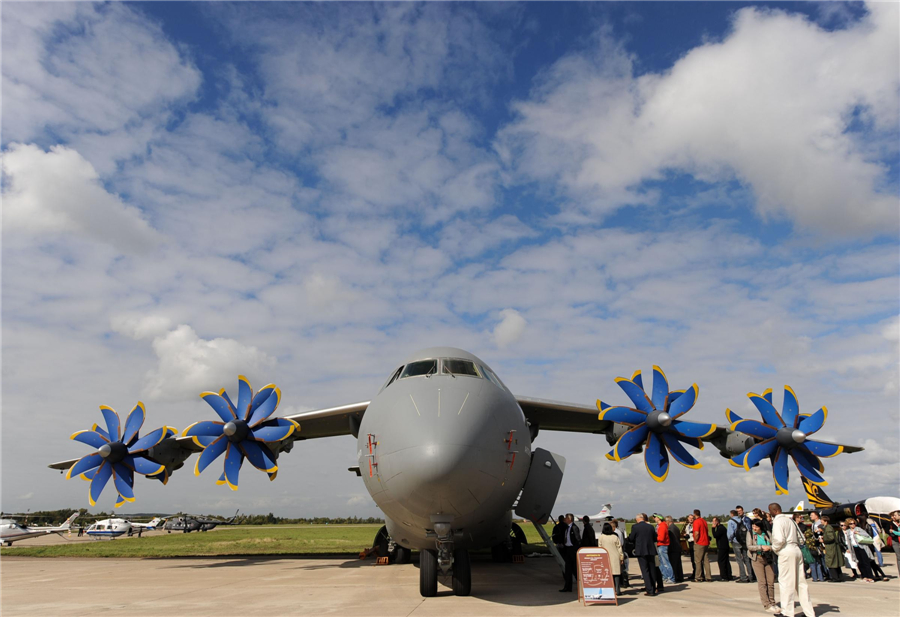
[767, 546]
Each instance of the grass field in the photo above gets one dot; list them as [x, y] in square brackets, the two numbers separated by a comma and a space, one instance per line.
[229, 541]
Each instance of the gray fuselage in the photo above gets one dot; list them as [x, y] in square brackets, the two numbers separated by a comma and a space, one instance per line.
[441, 452]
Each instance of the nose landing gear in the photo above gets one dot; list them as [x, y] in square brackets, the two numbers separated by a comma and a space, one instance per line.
[460, 570]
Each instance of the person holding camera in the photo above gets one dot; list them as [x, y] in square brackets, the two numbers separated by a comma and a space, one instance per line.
[759, 548]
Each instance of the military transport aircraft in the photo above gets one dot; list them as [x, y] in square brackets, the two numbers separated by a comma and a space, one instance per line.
[188, 523]
[11, 531]
[446, 450]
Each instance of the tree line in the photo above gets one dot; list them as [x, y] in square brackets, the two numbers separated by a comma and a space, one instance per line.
[42, 518]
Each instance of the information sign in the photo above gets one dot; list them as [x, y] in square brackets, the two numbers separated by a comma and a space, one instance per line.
[595, 577]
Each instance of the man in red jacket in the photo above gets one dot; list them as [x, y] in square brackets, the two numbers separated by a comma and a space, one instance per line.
[701, 548]
[662, 548]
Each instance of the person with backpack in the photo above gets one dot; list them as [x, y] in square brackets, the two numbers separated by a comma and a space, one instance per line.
[738, 526]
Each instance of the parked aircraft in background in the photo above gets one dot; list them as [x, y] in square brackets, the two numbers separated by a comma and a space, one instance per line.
[188, 523]
[11, 531]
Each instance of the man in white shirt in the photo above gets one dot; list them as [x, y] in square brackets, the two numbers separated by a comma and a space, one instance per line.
[786, 541]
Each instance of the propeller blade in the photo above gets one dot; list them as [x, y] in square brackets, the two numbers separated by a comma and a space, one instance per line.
[221, 479]
[134, 422]
[91, 438]
[259, 456]
[624, 415]
[732, 417]
[234, 458]
[656, 459]
[636, 378]
[768, 395]
[685, 402]
[693, 429]
[636, 394]
[143, 465]
[100, 479]
[813, 423]
[820, 448]
[780, 472]
[219, 405]
[810, 460]
[85, 463]
[124, 481]
[245, 397]
[119, 501]
[790, 410]
[210, 453]
[206, 428]
[809, 473]
[96, 428]
[691, 441]
[758, 452]
[679, 453]
[273, 433]
[228, 400]
[203, 440]
[768, 412]
[630, 442]
[660, 388]
[267, 406]
[88, 475]
[754, 428]
[148, 441]
[112, 422]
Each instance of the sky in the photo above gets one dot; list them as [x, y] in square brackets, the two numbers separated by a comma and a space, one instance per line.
[305, 194]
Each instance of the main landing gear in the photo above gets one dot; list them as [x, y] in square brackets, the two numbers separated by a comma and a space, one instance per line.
[388, 548]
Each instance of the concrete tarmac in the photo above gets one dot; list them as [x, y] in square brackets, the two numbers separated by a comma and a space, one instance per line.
[274, 587]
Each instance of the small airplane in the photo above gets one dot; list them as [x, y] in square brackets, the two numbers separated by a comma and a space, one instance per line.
[188, 523]
[11, 531]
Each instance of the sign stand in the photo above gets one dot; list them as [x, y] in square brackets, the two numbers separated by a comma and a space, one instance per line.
[595, 578]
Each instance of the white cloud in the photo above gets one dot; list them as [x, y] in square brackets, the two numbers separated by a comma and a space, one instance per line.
[771, 105]
[510, 328]
[81, 69]
[187, 364]
[59, 192]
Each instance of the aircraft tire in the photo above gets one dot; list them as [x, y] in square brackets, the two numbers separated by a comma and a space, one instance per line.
[517, 539]
[401, 554]
[462, 572]
[428, 573]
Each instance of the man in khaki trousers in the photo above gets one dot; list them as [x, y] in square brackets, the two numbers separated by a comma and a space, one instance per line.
[786, 540]
[701, 548]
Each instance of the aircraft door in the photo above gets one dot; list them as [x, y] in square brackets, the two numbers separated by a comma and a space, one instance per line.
[541, 486]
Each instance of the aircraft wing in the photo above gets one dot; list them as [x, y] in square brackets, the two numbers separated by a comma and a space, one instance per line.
[331, 421]
[560, 416]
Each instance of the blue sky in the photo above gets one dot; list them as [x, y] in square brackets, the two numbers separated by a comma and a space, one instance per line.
[306, 193]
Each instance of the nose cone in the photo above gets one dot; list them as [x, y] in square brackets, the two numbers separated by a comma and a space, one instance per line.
[440, 445]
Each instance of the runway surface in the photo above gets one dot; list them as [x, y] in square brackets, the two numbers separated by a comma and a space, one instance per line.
[276, 586]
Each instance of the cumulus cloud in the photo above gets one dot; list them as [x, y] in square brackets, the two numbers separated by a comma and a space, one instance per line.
[59, 192]
[187, 364]
[510, 328]
[773, 105]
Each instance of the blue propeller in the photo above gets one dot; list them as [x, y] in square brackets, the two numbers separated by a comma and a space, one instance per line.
[784, 436]
[655, 424]
[244, 432]
[120, 452]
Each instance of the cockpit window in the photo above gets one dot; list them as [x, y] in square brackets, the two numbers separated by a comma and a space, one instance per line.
[493, 377]
[454, 366]
[392, 378]
[417, 369]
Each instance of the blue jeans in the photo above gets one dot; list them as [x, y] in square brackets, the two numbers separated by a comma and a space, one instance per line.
[665, 566]
[878, 557]
[816, 570]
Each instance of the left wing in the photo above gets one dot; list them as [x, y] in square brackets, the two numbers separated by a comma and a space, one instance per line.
[559, 416]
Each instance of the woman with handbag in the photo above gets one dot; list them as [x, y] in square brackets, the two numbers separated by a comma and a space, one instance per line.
[759, 548]
[864, 544]
[834, 556]
[857, 539]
